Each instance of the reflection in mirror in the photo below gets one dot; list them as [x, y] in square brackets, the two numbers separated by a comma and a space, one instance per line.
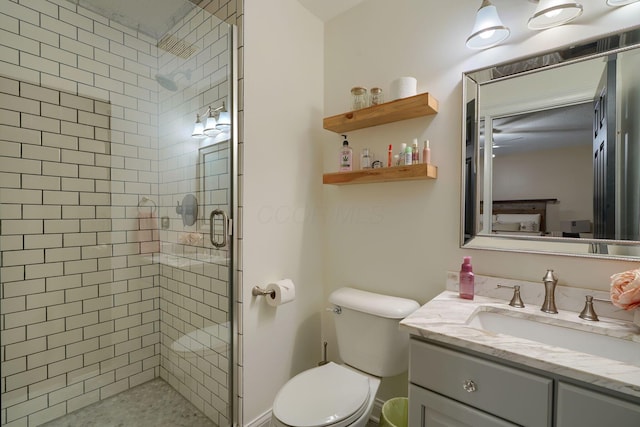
[213, 180]
[552, 152]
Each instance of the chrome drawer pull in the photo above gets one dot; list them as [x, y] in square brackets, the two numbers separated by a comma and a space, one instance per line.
[469, 386]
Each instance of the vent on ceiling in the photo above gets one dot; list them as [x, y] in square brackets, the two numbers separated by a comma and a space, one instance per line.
[177, 47]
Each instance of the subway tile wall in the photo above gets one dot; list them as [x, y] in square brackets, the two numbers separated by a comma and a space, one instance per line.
[80, 301]
[79, 153]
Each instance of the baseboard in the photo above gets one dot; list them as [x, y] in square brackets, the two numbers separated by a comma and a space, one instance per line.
[376, 411]
[262, 421]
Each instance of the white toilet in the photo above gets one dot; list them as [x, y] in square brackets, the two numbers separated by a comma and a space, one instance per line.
[371, 346]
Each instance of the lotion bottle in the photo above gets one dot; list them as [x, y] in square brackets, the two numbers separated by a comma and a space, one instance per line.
[426, 153]
[467, 282]
[346, 156]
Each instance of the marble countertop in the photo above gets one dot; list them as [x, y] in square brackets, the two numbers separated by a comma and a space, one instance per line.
[444, 319]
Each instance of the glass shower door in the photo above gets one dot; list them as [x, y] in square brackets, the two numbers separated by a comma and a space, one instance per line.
[196, 189]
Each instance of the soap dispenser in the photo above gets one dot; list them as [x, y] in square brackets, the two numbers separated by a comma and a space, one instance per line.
[346, 156]
[467, 282]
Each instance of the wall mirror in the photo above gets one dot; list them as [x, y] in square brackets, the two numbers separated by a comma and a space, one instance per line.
[551, 152]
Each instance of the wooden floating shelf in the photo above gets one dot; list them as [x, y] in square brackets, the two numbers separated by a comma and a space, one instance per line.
[395, 173]
[401, 109]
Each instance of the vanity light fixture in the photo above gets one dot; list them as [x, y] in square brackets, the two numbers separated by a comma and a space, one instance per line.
[224, 119]
[198, 128]
[212, 127]
[488, 29]
[616, 3]
[551, 13]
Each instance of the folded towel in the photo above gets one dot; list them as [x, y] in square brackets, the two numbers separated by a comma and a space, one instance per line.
[625, 289]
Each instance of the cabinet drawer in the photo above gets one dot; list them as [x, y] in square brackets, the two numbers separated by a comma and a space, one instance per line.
[517, 396]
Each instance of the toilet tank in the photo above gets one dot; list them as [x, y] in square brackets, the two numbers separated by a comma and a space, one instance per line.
[367, 329]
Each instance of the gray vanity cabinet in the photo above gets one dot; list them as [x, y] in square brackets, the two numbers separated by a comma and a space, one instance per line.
[585, 408]
[480, 386]
[450, 388]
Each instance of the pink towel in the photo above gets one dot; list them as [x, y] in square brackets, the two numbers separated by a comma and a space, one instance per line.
[625, 289]
[148, 234]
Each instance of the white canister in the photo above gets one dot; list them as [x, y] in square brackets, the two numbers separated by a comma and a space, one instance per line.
[404, 87]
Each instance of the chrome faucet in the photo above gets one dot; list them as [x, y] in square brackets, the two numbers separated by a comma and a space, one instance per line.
[550, 281]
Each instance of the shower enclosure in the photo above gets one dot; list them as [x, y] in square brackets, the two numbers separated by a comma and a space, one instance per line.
[112, 272]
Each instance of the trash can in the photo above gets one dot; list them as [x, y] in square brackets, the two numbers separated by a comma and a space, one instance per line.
[395, 412]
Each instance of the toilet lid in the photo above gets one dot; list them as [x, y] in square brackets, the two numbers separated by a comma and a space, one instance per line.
[321, 396]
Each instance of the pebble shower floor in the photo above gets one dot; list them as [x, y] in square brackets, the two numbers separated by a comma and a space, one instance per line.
[154, 404]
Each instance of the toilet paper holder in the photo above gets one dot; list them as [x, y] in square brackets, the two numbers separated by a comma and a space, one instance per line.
[258, 291]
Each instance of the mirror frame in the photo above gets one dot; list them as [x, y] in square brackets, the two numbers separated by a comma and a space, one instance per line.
[566, 246]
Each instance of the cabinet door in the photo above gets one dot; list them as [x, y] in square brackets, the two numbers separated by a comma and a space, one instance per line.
[586, 408]
[428, 409]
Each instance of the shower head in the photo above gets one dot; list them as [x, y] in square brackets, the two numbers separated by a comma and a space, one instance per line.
[168, 81]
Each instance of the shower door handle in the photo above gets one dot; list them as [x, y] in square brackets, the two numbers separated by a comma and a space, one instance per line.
[225, 228]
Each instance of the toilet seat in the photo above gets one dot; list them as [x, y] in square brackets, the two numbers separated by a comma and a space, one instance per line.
[329, 395]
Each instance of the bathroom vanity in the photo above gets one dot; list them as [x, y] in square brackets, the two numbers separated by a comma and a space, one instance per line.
[466, 370]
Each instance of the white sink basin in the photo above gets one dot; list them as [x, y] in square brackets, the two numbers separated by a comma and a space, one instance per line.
[593, 343]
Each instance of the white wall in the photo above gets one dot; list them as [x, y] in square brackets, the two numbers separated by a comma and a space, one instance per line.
[281, 181]
[400, 238]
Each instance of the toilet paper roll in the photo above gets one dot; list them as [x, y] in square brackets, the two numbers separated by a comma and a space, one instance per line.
[282, 292]
[404, 87]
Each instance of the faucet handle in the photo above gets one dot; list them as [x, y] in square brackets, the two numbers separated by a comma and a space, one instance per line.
[516, 301]
[588, 313]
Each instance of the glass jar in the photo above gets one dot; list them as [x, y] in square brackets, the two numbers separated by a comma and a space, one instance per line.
[359, 98]
[377, 97]
[366, 159]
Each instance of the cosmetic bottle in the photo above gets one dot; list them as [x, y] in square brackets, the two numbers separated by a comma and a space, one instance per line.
[408, 156]
[415, 154]
[426, 153]
[366, 159]
[467, 282]
[390, 156]
[401, 154]
[346, 156]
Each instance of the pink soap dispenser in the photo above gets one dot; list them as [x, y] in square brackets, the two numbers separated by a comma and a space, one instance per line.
[466, 279]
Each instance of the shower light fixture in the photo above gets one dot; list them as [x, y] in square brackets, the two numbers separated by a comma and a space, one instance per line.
[198, 128]
[488, 29]
[224, 120]
[551, 13]
[211, 126]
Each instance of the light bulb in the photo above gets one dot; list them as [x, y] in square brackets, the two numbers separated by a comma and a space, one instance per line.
[552, 13]
[487, 34]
